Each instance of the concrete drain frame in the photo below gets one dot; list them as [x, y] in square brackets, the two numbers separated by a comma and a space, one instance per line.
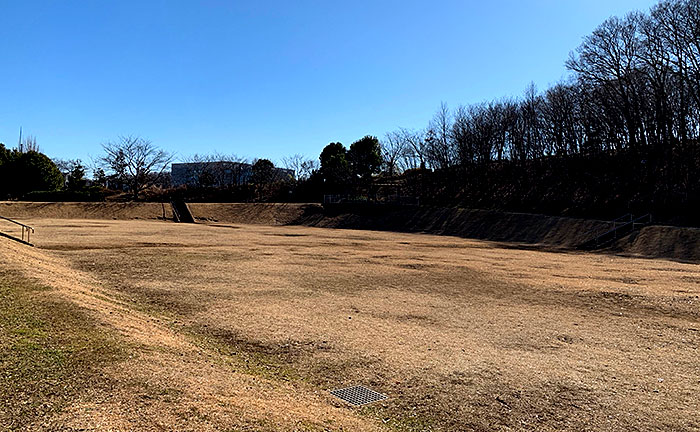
[358, 395]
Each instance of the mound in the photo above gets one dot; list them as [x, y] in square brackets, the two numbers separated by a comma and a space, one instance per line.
[251, 213]
[662, 242]
[550, 231]
[477, 224]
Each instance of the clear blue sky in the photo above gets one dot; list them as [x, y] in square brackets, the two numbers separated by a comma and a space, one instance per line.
[269, 79]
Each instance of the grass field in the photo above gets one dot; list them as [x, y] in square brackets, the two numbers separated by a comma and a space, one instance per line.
[243, 327]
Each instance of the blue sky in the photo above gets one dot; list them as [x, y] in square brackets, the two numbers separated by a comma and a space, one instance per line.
[269, 79]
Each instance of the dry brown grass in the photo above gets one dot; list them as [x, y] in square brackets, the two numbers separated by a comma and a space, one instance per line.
[248, 326]
[86, 210]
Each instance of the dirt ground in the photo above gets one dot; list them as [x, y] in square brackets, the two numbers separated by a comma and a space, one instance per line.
[246, 327]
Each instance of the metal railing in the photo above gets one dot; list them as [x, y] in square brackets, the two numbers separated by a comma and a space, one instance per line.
[627, 225]
[366, 199]
[611, 225]
[629, 217]
[26, 229]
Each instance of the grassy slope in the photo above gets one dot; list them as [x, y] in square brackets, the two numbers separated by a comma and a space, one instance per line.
[50, 353]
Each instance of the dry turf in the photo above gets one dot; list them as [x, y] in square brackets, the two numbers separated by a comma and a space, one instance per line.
[163, 326]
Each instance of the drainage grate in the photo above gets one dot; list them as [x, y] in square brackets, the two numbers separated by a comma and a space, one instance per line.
[358, 395]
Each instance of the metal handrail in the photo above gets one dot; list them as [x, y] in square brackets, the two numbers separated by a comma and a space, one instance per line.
[25, 228]
[633, 223]
[598, 231]
[629, 216]
[611, 235]
[15, 222]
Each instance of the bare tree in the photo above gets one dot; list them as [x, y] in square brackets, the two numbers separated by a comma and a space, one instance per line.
[672, 31]
[393, 150]
[441, 151]
[559, 122]
[609, 59]
[135, 161]
[415, 154]
[531, 112]
[302, 166]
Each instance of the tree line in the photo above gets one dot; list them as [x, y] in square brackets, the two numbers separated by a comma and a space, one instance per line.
[633, 97]
[132, 165]
[635, 84]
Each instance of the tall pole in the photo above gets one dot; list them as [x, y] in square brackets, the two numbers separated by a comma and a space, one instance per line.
[19, 143]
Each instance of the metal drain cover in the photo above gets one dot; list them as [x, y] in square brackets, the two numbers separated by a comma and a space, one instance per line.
[358, 395]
